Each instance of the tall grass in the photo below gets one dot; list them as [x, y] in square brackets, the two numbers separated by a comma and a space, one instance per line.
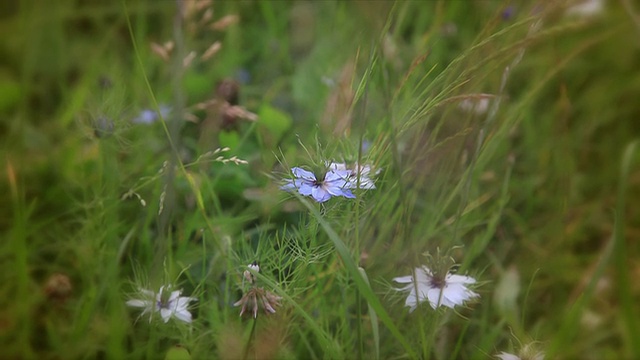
[504, 134]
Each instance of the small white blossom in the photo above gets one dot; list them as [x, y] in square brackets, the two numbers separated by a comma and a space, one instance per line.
[506, 356]
[586, 8]
[424, 285]
[527, 352]
[475, 106]
[171, 305]
[251, 278]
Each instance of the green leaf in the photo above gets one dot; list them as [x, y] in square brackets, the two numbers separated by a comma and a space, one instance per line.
[230, 139]
[273, 124]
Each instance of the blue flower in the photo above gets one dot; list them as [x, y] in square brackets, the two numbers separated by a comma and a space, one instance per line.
[335, 183]
[148, 116]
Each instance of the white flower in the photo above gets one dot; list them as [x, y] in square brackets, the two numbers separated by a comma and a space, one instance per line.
[586, 8]
[448, 291]
[506, 356]
[363, 171]
[475, 106]
[169, 306]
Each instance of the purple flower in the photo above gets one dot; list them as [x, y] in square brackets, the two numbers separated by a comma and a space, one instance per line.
[335, 183]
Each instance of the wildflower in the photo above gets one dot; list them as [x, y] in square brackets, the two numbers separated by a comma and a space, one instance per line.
[250, 277]
[527, 352]
[148, 116]
[475, 106]
[586, 9]
[361, 171]
[103, 127]
[506, 356]
[334, 183]
[448, 290]
[256, 296]
[168, 304]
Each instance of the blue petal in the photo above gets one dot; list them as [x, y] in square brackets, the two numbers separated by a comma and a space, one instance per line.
[320, 194]
[306, 189]
[303, 174]
[288, 186]
[348, 194]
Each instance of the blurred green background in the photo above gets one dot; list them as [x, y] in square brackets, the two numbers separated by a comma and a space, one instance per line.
[508, 128]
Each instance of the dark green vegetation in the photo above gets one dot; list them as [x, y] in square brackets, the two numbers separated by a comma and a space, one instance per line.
[535, 196]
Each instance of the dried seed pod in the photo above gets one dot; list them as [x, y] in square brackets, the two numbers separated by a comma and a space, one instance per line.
[57, 287]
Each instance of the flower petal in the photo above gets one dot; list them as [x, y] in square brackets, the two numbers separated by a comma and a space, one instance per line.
[303, 174]
[289, 185]
[174, 296]
[452, 278]
[139, 303]
[403, 279]
[183, 315]
[306, 189]
[433, 294]
[166, 314]
[320, 194]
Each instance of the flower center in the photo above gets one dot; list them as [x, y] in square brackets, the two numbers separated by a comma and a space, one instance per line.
[163, 302]
[437, 282]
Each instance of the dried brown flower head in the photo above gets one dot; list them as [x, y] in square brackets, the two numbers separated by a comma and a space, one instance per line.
[58, 287]
[256, 296]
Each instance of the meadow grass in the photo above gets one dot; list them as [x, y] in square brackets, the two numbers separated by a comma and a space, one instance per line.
[502, 135]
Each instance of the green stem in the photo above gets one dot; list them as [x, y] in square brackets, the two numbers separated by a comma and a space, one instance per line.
[248, 346]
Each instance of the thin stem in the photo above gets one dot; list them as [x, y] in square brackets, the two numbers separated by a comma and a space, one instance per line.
[248, 346]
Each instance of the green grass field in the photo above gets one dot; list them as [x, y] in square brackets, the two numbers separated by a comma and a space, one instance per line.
[144, 145]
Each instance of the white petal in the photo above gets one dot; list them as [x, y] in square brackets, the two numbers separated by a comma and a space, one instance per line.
[174, 296]
[403, 279]
[337, 166]
[255, 267]
[451, 278]
[506, 356]
[433, 295]
[166, 314]
[423, 275]
[411, 301]
[147, 293]
[183, 302]
[183, 315]
[139, 303]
